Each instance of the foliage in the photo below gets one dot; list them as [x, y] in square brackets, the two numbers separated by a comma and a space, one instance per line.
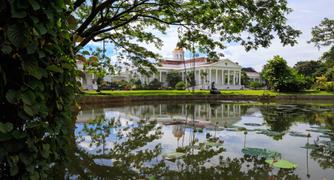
[320, 83]
[126, 22]
[329, 86]
[191, 79]
[180, 85]
[328, 58]
[155, 84]
[323, 35]
[309, 68]
[244, 78]
[172, 78]
[330, 74]
[255, 85]
[136, 84]
[37, 86]
[280, 77]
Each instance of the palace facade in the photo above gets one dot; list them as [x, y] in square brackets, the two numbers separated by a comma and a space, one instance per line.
[225, 73]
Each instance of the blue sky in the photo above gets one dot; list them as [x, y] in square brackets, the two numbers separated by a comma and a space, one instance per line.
[306, 14]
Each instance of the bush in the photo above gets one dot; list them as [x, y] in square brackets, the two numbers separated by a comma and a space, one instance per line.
[255, 85]
[180, 85]
[172, 78]
[320, 83]
[329, 86]
[155, 84]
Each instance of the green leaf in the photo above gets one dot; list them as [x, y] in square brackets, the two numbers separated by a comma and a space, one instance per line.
[16, 11]
[28, 109]
[45, 150]
[54, 68]
[28, 98]
[41, 29]
[6, 49]
[6, 127]
[16, 35]
[11, 96]
[34, 4]
[72, 22]
[32, 47]
[85, 53]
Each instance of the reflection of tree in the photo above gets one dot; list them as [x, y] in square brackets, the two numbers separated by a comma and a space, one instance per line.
[324, 155]
[280, 119]
[132, 156]
[126, 157]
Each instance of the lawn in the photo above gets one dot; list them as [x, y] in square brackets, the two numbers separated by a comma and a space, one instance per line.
[199, 92]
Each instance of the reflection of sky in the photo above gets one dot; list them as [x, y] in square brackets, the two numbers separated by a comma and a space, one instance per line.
[288, 146]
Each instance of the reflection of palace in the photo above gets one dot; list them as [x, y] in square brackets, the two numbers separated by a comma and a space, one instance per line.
[223, 114]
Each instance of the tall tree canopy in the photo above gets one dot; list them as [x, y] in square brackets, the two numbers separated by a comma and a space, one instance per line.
[323, 34]
[208, 24]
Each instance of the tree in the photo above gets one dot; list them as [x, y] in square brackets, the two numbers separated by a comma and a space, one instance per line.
[191, 79]
[280, 77]
[323, 35]
[244, 78]
[40, 42]
[122, 22]
[172, 78]
[309, 68]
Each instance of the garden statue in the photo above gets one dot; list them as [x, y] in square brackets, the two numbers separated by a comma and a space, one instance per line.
[213, 89]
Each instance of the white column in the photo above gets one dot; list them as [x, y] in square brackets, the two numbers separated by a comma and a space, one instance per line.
[239, 78]
[210, 76]
[223, 80]
[228, 77]
[160, 76]
[216, 76]
[233, 77]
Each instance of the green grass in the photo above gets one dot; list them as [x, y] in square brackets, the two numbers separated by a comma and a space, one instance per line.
[199, 92]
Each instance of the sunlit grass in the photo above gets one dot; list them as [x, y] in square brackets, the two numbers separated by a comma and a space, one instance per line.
[199, 92]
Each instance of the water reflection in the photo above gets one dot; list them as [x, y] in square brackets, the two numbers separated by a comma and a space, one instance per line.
[129, 141]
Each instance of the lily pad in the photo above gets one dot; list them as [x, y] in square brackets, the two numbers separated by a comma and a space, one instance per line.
[253, 124]
[270, 133]
[319, 130]
[213, 144]
[299, 134]
[310, 146]
[281, 163]
[262, 153]
[173, 155]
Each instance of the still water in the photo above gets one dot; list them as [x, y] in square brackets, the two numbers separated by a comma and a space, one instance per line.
[204, 141]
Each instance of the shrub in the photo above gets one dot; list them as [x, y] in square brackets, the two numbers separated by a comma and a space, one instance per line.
[172, 78]
[255, 85]
[180, 85]
[320, 83]
[155, 84]
[329, 86]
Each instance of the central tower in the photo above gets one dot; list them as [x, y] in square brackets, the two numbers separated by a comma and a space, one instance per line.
[178, 54]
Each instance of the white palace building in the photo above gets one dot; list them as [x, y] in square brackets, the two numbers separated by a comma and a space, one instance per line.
[225, 73]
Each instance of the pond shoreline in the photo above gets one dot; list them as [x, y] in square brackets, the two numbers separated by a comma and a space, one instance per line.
[96, 99]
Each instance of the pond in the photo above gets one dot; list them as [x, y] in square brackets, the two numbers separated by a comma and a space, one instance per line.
[204, 140]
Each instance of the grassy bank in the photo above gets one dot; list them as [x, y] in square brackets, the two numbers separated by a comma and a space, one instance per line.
[199, 92]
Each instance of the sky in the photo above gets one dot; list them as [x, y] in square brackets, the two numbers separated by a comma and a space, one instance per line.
[306, 14]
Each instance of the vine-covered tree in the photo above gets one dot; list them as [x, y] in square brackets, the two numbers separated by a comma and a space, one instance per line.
[40, 41]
